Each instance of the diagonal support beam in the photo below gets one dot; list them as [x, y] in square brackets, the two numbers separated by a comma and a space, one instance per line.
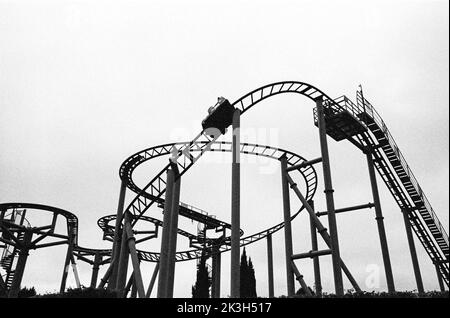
[321, 229]
[299, 277]
[152, 281]
[107, 275]
[315, 247]
[129, 284]
[134, 257]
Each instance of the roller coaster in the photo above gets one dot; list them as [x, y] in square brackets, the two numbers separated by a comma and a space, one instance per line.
[339, 118]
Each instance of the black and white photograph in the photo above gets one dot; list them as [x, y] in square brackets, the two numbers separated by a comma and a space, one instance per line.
[224, 156]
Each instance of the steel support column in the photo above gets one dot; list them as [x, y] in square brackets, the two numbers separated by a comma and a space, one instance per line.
[116, 240]
[2, 285]
[75, 272]
[235, 208]
[300, 279]
[123, 264]
[315, 247]
[380, 224]
[67, 263]
[129, 284]
[216, 264]
[133, 293]
[20, 267]
[338, 284]
[438, 273]
[164, 254]
[412, 250]
[270, 265]
[131, 241]
[152, 281]
[95, 268]
[106, 277]
[287, 228]
[173, 234]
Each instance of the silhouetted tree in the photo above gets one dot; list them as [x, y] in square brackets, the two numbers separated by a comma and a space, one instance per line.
[252, 279]
[248, 281]
[201, 287]
[26, 292]
[302, 292]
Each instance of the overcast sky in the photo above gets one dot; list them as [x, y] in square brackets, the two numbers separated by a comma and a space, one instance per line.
[85, 84]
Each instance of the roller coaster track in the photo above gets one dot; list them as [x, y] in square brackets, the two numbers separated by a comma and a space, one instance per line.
[217, 245]
[398, 177]
[426, 224]
[403, 185]
[373, 136]
[188, 153]
[307, 172]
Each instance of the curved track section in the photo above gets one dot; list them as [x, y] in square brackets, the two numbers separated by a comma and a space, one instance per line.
[307, 172]
[71, 219]
[429, 230]
[189, 153]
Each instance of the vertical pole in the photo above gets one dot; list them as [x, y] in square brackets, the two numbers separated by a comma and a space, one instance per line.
[95, 268]
[412, 250]
[152, 281]
[123, 263]
[67, 263]
[20, 267]
[75, 272]
[235, 207]
[335, 254]
[131, 241]
[380, 224]
[116, 242]
[216, 260]
[133, 291]
[163, 261]
[287, 228]
[438, 273]
[270, 265]
[173, 234]
[315, 247]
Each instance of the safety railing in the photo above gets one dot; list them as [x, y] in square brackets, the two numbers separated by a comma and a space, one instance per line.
[364, 104]
[195, 209]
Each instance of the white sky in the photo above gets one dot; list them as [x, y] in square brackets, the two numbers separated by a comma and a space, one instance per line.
[86, 84]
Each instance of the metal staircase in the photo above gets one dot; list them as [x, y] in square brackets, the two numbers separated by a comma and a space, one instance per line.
[346, 120]
[8, 261]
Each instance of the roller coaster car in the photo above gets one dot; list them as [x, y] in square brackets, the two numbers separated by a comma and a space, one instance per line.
[220, 116]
